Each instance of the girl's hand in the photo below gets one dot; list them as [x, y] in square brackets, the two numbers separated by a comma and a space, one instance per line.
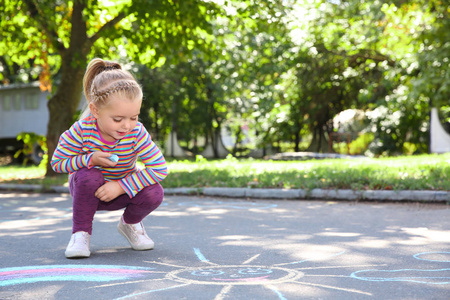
[109, 191]
[101, 159]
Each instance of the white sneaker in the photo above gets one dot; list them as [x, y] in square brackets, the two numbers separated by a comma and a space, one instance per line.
[136, 236]
[78, 245]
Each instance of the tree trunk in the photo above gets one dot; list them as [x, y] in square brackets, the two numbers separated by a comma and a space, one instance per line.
[297, 136]
[64, 103]
[297, 139]
[237, 140]
[319, 142]
[156, 132]
[214, 143]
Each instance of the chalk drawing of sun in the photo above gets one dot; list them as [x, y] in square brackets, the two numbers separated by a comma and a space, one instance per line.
[160, 276]
[163, 276]
[227, 277]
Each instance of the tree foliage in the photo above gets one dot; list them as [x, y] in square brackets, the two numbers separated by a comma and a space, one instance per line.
[60, 36]
[231, 88]
[282, 69]
[390, 59]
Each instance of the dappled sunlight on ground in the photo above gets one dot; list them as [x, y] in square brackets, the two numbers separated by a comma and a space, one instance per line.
[424, 236]
[28, 227]
[339, 234]
[108, 216]
[370, 242]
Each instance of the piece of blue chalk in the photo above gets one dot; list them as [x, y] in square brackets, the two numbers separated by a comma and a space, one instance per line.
[114, 158]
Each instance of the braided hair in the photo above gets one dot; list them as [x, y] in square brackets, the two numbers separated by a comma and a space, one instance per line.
[105, 78]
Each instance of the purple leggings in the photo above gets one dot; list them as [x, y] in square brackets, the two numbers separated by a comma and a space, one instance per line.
[83, 185]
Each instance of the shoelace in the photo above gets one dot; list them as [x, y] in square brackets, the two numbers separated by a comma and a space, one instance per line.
[76, 237]
[138, 228]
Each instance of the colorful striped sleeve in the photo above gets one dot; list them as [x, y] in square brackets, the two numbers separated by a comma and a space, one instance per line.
[155, 165]
[68, 156]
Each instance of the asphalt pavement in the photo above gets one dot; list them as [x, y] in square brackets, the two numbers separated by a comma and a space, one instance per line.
[209, 247]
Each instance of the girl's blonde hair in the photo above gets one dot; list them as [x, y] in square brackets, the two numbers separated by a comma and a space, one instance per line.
[105, 78]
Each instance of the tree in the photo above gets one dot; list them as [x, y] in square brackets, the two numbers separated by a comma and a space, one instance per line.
[256, 49]
[60, 36]
[335, 57]
[388, 57]
[231, 88]
[416, 33]
[177, 99]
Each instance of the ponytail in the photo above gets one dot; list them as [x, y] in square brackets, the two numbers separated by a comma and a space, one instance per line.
[104, 78]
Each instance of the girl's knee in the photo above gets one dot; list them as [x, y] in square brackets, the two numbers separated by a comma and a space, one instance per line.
[86, 178]
[153, 194]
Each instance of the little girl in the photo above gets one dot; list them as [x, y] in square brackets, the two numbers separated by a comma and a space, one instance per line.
[109, 130]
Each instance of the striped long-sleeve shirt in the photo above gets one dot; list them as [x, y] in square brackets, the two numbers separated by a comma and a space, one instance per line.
[76, 146]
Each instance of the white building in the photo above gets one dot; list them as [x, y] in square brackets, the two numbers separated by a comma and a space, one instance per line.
[23, 108]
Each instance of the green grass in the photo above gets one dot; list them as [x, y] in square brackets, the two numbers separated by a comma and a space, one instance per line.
[424, 172]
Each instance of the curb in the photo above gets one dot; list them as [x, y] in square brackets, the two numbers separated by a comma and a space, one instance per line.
[299, 194]
[290, 194]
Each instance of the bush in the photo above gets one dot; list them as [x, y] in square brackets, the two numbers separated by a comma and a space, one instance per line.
[34, 148]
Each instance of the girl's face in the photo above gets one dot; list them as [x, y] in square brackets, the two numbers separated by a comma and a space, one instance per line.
[117, 118]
